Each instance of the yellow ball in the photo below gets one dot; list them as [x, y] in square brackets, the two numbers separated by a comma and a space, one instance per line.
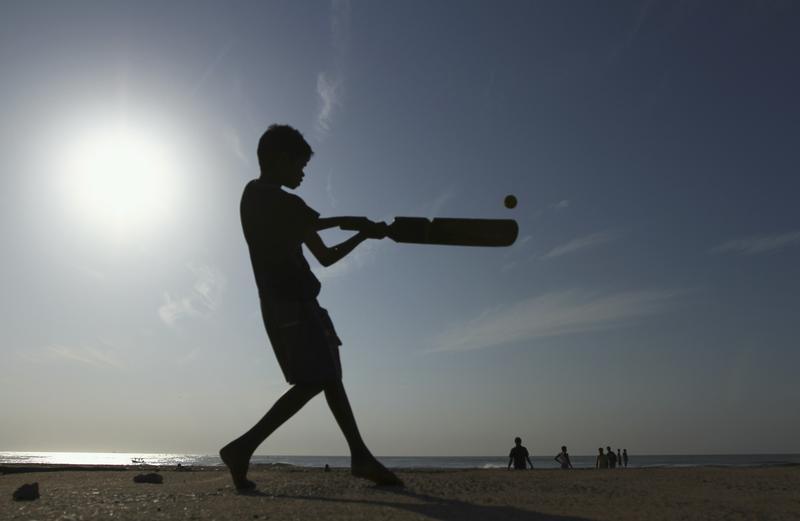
[510, 201]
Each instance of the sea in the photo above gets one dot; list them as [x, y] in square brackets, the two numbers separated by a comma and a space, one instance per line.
[396, 462]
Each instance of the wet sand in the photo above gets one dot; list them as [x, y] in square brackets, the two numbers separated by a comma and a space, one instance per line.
[73, 493]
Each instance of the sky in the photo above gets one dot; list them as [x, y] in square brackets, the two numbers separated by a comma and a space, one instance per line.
[650, 302]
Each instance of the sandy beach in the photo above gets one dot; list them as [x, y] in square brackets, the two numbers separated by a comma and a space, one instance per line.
[451, 495]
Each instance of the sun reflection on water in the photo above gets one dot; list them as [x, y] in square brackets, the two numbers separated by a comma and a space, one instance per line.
[96, 458]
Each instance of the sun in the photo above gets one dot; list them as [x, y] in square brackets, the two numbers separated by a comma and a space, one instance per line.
[119, 179]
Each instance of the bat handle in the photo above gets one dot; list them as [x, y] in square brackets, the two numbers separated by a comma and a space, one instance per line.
[353, 223]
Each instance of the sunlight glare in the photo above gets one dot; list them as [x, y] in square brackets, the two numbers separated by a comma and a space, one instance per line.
[120, 180]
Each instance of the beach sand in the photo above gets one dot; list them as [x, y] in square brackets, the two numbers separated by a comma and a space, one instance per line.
[447, 495]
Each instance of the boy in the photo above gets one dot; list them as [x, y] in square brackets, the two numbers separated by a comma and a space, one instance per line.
[563, 458]
[519, 455]
[275, 225]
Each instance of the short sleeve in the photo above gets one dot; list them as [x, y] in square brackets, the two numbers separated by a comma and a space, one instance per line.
[302, 214]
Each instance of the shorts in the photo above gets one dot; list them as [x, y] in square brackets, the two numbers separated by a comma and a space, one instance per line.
[303, 339]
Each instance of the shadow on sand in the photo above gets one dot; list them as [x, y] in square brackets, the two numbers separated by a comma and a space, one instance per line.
[448, 509]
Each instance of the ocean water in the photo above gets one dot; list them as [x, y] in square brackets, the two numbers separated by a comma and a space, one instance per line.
[398, 462]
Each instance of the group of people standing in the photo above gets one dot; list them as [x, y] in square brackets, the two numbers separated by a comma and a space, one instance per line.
[609, 460]
[520, 457]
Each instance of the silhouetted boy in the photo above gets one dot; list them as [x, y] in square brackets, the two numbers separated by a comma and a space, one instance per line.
[276, 224]
[625, 457]
[519, 455]
[612, 458]
[563, 458]
[602, 461]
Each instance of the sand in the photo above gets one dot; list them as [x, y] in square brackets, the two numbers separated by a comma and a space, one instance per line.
[447, 495]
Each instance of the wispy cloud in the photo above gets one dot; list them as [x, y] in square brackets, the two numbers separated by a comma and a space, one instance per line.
[330, 83]
[552, 314]
[440, 202]
[231, 137]
[329, 90]
[582, 243]
[201, 300]
[560, 205]
[211, 68]
[99, 357]
[758, 244]
[332, 200]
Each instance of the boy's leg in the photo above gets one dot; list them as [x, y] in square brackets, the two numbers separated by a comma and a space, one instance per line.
[363, 463]
[236, 454]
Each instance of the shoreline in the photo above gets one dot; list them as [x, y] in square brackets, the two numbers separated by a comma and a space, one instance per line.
[21, 468]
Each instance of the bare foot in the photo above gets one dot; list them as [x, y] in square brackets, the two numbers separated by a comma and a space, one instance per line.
[237, 462]
[372, 469]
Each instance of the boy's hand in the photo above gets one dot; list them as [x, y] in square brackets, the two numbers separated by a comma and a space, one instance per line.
[353, 223]
[376, 230]
[370, 229]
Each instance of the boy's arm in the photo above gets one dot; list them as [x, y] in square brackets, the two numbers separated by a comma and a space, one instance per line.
[359, 223]
[328, 256]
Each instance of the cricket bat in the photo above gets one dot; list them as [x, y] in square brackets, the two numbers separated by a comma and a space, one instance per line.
[452, 231]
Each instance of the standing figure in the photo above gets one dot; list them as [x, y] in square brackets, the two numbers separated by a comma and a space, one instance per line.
[563, 458]
[612, 458]
[276, 224]
[602, 461]
[619, 459]
[625, 457]
[519, 455]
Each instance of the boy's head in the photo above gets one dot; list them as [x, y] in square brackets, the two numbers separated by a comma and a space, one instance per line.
[282, 154]
[518, 440]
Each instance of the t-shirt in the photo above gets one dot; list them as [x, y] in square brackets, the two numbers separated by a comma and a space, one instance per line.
[274, 224]
[612, 458]
[519, 454]
[563, 458]
[602, 461]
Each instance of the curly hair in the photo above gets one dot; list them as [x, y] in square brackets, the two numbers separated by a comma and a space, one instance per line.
[281, 143]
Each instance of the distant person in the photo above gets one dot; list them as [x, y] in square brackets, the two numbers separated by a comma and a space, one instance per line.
[625, 457]
[563, 458]
[276, 225]
[612, 458]
[619, 458]
[519, 455]
[602, 460]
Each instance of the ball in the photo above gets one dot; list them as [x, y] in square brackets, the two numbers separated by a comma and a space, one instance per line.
[510, 201]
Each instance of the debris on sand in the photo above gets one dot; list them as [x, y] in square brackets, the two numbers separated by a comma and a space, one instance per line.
[27, 492]
[149, 478]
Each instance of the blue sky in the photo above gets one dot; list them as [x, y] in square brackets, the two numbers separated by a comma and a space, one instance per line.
[650, 301]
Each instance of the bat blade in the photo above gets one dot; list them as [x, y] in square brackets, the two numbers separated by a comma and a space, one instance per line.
[454, 231]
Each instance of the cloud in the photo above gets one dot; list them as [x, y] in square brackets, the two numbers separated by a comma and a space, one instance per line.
[211, 68]
[329, 89]
[440, 202]
[552, 314]
[201, 300]
[231, 136]
[560, 205]
[581, 243]
[330, 84]
[758, 244]
[102, 358]
[332, 200]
